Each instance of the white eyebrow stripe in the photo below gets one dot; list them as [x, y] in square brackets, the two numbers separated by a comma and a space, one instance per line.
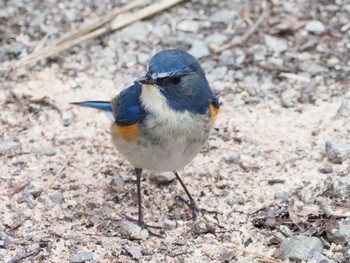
[161, 75]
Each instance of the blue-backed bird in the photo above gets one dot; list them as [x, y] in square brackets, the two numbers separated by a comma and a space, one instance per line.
[161, 122]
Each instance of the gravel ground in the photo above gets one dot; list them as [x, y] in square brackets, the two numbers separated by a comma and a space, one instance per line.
[276, 166]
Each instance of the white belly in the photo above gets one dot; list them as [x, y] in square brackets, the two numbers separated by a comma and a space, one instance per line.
[168, 148]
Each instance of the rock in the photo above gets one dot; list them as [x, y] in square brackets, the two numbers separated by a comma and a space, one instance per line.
[223, 16]
[133, 231]
[347, 8]
[8, 147]
[332, 62]
[331, 8]
[107, 242]
[26, 197]
[49, 151]
[169, 224]
[277, 45]
[21, 159]
[81, 257]
[319, 258]
[66, 122]
[227, 58]
[300, 247]
[117, 183]
[226, 255]
[337, 151]
[289, 98]
[341, 234]
[135, 252]
[137, 31]
[315, 26]
[239, 56]
[218, 73]
[327, 169]
[161, 31]
[56, 197]
[216, 39]
[163, 178]
[188, 26]
[233, 160]
[283, 196]
[15, 48]
[339, 188]
[199, 49]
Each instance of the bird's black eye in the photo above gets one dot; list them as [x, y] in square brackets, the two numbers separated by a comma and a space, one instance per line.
[175, 80]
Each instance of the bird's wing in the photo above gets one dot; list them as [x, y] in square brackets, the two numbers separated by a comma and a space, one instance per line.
[127, 106]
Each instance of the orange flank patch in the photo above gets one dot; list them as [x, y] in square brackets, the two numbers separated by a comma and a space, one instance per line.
[126, 132]
[213, 111]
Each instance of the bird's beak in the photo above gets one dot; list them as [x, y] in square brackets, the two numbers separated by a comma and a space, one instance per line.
[145, 80]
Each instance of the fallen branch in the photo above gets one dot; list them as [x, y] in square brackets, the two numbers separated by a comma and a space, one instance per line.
[84, 29]
[107, 27]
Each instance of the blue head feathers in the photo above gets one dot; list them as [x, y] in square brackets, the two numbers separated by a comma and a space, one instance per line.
[179, 77]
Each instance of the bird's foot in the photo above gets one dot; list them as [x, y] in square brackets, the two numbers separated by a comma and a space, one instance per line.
[148, 227]
[195, 209]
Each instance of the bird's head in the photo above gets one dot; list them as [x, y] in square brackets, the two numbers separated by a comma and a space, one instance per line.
[179, 77]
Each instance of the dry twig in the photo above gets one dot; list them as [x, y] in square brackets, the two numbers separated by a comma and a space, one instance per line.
[103, 26]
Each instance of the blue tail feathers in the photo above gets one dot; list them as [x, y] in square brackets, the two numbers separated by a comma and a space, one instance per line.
[100, 105]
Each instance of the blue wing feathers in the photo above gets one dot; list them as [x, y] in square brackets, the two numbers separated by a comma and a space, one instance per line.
[128, 108]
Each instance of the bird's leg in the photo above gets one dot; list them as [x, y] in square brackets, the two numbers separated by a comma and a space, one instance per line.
[140, 222]
[192, 204]
[138, 172]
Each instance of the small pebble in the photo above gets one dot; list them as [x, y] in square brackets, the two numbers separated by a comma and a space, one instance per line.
[275, 44]
[56, 197]
[332, 62]
[300, 247]
[233, 160]
[199, 49]
[289, 98]
[8, 146]
[24, 158]
[226, 255]
[169, 224]
[135, 252]
[283, 196]
[337, 151]
[319, 258]
[315, 26]
[49, 151]
[340, 188]
[340, 234]
[133, 231]
[164, 178]
[117, 183]
[188, 26]
[223, 16]
[81, 257]
[67, 122]
[327, 169]
[108, 242]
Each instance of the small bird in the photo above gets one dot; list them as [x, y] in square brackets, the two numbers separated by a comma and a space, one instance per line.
[161, 122]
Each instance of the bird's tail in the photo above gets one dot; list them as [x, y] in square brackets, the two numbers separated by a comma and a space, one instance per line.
[100, 105]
